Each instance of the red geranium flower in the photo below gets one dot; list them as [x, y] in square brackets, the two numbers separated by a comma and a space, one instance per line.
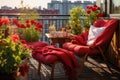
[4, 21]
[94, 9]
[27, 21]
[88, 11]
[22, 26]
[93, 13]
[94, 5]
[23, 41]
[33, 22]
[15, 38]
[38, 25]
[15, 22]
[28, 25]
[100, 15]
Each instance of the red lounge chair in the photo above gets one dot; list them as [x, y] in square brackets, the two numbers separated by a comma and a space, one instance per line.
[96, 41]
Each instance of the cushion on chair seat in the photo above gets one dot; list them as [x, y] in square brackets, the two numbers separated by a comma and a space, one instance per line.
[44, 59]
[80, 50]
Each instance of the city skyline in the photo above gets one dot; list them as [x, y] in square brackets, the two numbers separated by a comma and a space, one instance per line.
[29, 3]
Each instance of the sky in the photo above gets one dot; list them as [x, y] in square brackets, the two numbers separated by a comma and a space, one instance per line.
[28, 3]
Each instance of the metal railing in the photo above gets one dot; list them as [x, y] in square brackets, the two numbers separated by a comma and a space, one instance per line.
[46, 20]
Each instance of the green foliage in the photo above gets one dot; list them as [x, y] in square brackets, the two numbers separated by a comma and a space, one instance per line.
[11, 55]
[75, 20]
[86, 23]
[12, 50]
[30, 34]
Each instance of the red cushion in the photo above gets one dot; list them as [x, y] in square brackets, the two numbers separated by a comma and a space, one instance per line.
[80, 50]
[44, 59]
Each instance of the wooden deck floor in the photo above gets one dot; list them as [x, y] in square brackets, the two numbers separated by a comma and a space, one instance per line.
[94, 70]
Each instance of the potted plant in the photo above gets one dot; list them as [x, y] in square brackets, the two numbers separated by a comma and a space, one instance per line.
[92, 14]
[76, 19]
[52, 30]
[12, 53]
[66, 30]
[27, 25]
[30, 30]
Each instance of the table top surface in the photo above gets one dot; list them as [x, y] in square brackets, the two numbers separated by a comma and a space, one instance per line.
[51, 36]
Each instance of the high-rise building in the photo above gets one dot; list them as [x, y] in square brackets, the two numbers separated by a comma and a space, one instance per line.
[53, 0]
[6, 7]
[65, 6]
[64, 0]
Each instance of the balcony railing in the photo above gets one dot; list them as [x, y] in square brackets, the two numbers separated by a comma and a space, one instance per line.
[45, 20]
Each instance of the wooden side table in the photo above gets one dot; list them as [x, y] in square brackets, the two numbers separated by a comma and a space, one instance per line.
[60, 40]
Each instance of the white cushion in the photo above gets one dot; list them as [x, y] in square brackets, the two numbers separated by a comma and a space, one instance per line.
[94, 32]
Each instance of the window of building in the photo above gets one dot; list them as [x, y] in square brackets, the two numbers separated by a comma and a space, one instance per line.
[115, 7]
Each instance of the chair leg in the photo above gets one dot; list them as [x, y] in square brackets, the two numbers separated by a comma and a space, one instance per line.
[39, 68]
[82, 64]
[105, 60]
[52, 71]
